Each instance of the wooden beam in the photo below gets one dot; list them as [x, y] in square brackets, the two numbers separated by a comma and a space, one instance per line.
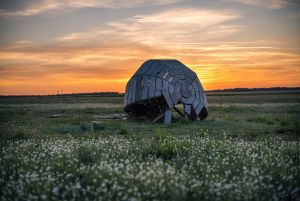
[178, 112]
[158, 117]
[168, 116]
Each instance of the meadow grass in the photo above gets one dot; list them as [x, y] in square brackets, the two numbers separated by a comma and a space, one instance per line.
[247, 149]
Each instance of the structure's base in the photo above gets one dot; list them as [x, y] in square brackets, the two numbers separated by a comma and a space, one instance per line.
[168, 116]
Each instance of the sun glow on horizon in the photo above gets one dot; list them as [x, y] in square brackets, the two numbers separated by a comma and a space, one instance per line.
[227, 48]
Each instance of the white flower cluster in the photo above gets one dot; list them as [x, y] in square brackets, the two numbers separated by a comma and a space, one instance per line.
[185, 167]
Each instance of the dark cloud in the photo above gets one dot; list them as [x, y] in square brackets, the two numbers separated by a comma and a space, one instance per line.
[14, 5]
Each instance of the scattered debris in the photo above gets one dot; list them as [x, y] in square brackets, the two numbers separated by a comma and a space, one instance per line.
[112, 116]
[56, 115]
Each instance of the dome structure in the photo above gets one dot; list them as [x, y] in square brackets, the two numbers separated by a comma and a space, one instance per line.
[159, 85]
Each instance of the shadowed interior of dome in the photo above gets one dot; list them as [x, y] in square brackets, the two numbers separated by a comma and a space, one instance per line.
[203, 114]
[155, 108]
[149, 108]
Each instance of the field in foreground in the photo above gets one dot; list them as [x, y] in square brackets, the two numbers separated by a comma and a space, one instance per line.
[57, 148]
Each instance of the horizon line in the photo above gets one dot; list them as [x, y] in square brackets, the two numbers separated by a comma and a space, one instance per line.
[121, 93]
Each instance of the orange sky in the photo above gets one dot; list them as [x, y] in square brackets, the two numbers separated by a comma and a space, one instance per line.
[236, 43]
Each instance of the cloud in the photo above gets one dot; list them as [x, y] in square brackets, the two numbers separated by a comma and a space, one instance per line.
[294, 15]
[270, 4]
[37, 7]
[104, 58]
[185, 24]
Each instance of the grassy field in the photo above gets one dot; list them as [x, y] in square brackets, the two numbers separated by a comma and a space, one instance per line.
[57, 148]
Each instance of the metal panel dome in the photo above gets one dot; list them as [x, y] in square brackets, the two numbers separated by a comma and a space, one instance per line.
[159, 85]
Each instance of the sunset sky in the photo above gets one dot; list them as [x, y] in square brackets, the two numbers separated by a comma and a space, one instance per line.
[87, 46]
